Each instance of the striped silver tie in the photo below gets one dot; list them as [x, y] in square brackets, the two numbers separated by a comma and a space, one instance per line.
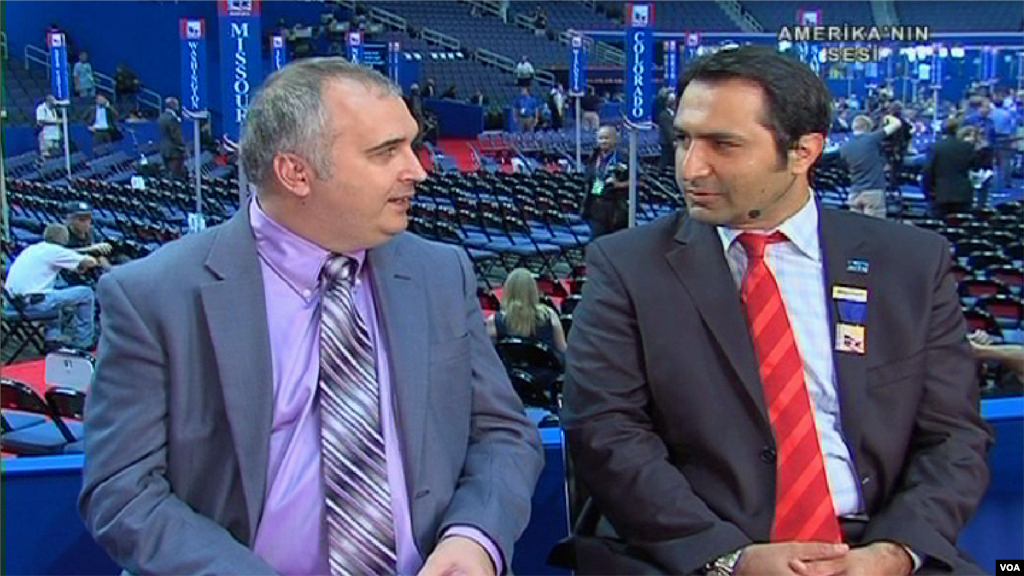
[360, 527]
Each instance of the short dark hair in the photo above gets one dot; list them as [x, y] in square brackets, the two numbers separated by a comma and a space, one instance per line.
[797, 102]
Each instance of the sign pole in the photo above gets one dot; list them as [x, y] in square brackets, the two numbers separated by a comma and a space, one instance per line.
[579, 144]
[633, 136]
[5, 210]
[67, 146]
[198, 168]
[193, 102]
[577, 88]
[639, 46]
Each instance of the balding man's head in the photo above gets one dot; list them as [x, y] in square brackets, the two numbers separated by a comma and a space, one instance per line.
[607, 138]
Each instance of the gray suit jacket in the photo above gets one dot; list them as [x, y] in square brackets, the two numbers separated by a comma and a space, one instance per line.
[665, 415]
[179, 414]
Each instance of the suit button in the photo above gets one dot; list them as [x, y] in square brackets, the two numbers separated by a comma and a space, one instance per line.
[768, 455]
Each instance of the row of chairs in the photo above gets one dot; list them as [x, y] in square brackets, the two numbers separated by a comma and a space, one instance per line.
[38, 425]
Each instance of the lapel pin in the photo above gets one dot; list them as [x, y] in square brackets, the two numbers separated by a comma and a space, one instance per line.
[857, 266]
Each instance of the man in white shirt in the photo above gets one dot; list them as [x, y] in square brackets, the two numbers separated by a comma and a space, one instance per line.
[524, 72]
[48, 122]
[33, 278]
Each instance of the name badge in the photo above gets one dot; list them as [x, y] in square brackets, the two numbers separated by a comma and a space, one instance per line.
[598, 187]
[850, 338]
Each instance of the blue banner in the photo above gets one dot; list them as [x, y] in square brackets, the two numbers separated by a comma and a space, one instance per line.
[577, 67]
[58, 66]
[241, 61]
[355, 47]
[671, 64]
[193, 66]
[394, 53]
[639, 46]
[279, 54]
[692, 44]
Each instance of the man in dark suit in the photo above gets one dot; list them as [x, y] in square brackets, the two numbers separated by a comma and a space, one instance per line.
[101, 120]
[172, 143]
[947, 174]
[763, 386]
[307, 389]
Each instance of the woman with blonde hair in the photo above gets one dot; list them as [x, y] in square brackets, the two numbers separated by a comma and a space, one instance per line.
[523, 316]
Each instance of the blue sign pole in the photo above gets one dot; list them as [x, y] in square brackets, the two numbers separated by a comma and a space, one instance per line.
[639, 46]
[59, 87]
[578, 88]
[194, 101]
[355, 47]
[241, 61]
[394, 53]
[279, 54]
[671, 64]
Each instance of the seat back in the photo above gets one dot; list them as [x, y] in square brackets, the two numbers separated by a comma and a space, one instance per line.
[527, 354]
[16, 395]
[66, 402]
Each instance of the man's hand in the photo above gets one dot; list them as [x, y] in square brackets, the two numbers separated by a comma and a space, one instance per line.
[458, 556]
[875, 559]
[787, 558]
[101, 248]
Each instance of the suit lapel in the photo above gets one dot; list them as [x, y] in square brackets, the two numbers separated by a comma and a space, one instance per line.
[235, 309]
[402, 313]
[699, 262]
[843, 246]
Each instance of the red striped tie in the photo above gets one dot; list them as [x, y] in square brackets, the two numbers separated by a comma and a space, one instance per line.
[803, 504]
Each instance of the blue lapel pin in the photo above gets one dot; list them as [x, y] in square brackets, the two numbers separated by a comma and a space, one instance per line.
[857, 266]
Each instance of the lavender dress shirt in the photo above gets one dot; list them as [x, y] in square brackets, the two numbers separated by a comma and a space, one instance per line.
[292, 536]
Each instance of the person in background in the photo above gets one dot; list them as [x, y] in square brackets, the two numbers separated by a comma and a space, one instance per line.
[85, 80]
[126, 89]
[666, 132]
[946, 177]
[864, 159]
[591, 107]
[523, 72]
[172, 141]
[33, 279]
[101, 120]
[523, 316]
[526, 110]
[606, 186]
[49, 125]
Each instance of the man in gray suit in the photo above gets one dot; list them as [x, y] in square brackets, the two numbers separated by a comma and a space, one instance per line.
[307, 389]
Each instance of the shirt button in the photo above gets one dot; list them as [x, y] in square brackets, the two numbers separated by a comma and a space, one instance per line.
[768, 455]
[306, 293]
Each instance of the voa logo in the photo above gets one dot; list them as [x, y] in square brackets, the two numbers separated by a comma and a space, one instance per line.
[1008, 566]
[638, 73]
[240, 86]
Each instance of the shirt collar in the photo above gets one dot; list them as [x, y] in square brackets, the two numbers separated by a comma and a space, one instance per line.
[801, 229]
[296, 260]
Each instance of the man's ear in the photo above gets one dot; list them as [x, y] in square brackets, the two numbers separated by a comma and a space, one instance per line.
[806, 152]
[294, 173]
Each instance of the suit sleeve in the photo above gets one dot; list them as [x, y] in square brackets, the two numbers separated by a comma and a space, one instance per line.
[126, 501]
[618, 454]
[504, 458]
[946, 472]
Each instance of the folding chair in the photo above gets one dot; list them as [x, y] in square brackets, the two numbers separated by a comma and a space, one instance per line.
[66, 402]
[26, 328]
[54, 436]
[537, 359]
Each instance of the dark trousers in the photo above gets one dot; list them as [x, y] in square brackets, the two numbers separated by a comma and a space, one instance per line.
[175, 167]
[607, 215]
[946, 208]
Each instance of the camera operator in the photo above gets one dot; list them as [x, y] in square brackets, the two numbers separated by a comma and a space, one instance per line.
[605, 206]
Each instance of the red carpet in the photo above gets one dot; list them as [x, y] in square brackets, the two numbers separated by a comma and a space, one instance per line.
[458, 150]
[31, 372]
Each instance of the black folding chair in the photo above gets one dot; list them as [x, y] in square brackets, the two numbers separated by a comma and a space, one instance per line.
[52, 436]
[538, 360]
[24, 327]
